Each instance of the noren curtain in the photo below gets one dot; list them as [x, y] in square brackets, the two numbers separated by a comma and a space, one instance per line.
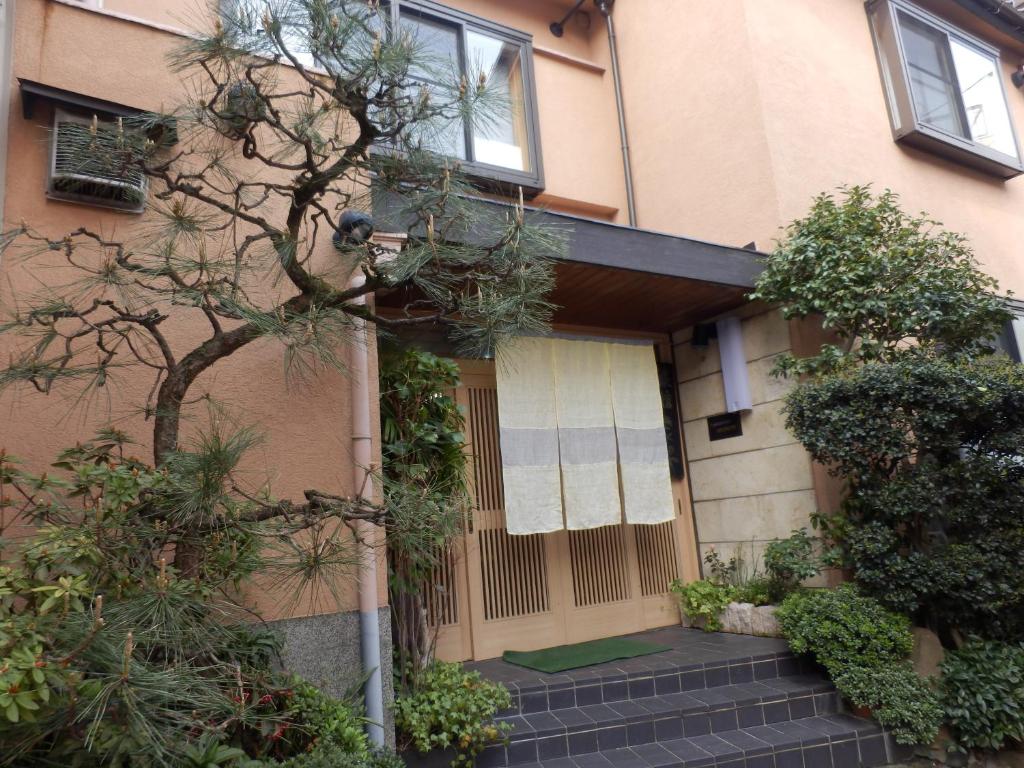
[582, 435]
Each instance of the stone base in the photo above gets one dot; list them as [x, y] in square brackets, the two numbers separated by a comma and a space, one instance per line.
[325, 651]
[744, 619]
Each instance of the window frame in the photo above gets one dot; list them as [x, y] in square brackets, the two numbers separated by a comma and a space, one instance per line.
[495, 176]
[894, 70]
[1010, 340]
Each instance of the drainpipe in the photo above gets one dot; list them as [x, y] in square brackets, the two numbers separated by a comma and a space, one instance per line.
[605, 7]
[362, 455]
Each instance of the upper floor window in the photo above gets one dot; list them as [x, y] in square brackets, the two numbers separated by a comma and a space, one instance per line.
[944, 89]
[503, 144]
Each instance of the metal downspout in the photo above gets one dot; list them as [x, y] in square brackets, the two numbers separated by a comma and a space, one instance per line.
[362, 455]
[605, 7]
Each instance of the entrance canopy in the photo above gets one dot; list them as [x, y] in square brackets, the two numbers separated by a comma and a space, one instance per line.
[620, 277]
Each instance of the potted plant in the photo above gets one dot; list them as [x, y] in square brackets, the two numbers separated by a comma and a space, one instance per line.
[447, 716]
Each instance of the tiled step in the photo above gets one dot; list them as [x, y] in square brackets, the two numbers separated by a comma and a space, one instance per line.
[649, 719]
[831, 741]
[643, 677]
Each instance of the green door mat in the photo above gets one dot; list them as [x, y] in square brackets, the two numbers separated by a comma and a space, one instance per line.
[563, 657]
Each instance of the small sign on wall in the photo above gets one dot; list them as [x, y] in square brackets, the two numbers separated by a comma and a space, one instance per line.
[724, 425]
[666, 380]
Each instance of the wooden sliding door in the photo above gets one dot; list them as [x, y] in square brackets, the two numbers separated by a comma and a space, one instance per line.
[504, 592]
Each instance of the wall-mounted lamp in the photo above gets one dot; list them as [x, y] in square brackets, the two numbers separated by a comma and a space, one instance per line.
[558, 27]
[703, 333]
[1018, 77]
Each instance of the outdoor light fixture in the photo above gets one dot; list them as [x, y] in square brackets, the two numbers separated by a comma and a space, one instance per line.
[1018, 76]
[703, 333]
[354, 228]
[558, 27]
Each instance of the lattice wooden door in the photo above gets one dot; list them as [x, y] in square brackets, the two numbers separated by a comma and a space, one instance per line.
[526, 592]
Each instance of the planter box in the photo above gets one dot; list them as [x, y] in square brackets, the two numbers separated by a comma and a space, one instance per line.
[744, 619]
[436, 758]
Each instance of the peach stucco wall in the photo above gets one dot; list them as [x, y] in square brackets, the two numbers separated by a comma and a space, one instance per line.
[738, 112]
[741, 110]
[306, 426]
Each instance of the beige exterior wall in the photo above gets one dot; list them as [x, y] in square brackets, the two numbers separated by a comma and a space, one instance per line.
[751, 489]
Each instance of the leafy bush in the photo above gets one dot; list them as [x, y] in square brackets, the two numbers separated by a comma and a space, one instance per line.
[789, 562]
[898, 698]
[424, 471]
[831, 262]
[864, 647]
[209, 752]
[758, 591]
[450, 707]
[983, 693]
[843, 628]
[325, 721]
[931, 449]
[334, 756]
[108, 654]
[703, 601]
[723, 572]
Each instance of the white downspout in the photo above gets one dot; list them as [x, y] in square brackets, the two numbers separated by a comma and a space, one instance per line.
[362, 482]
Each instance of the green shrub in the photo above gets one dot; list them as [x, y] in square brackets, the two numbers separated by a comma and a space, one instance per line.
[789, 562]
[759, 591]
[983, 693]
[938, 537]
[843, 628]
[898, 698]
[327, 721]
[703, 601]
[334, 756]
[830, 265]
[450, 707]
[864, 647]
[723, 572]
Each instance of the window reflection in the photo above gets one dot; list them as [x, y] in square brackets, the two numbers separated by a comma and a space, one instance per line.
[500, 138]
[982, 94]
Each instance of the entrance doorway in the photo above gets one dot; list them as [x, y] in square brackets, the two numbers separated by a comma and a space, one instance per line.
[501, 592]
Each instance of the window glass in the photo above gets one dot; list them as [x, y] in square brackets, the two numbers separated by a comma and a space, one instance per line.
[1017, 325]
[499, 138]
[435, 69]
[982, 95]
[443, 134]
[437, 48]
[498, 133]
[932, 79]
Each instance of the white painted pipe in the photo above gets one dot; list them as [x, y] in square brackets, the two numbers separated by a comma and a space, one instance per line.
[362, 481]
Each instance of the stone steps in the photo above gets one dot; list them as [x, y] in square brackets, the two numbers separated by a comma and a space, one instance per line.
[647, 676]
[770, 710]
[835, 741]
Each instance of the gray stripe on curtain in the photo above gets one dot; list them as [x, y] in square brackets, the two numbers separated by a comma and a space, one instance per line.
[529, 447]
[642, 446]
[587, 445]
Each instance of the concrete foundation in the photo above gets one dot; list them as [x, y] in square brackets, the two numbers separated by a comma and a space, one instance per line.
[325, 650]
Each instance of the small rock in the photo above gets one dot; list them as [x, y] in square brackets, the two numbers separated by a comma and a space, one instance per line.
[928, 652]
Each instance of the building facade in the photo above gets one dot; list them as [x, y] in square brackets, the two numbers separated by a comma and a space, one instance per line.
[670, 140]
